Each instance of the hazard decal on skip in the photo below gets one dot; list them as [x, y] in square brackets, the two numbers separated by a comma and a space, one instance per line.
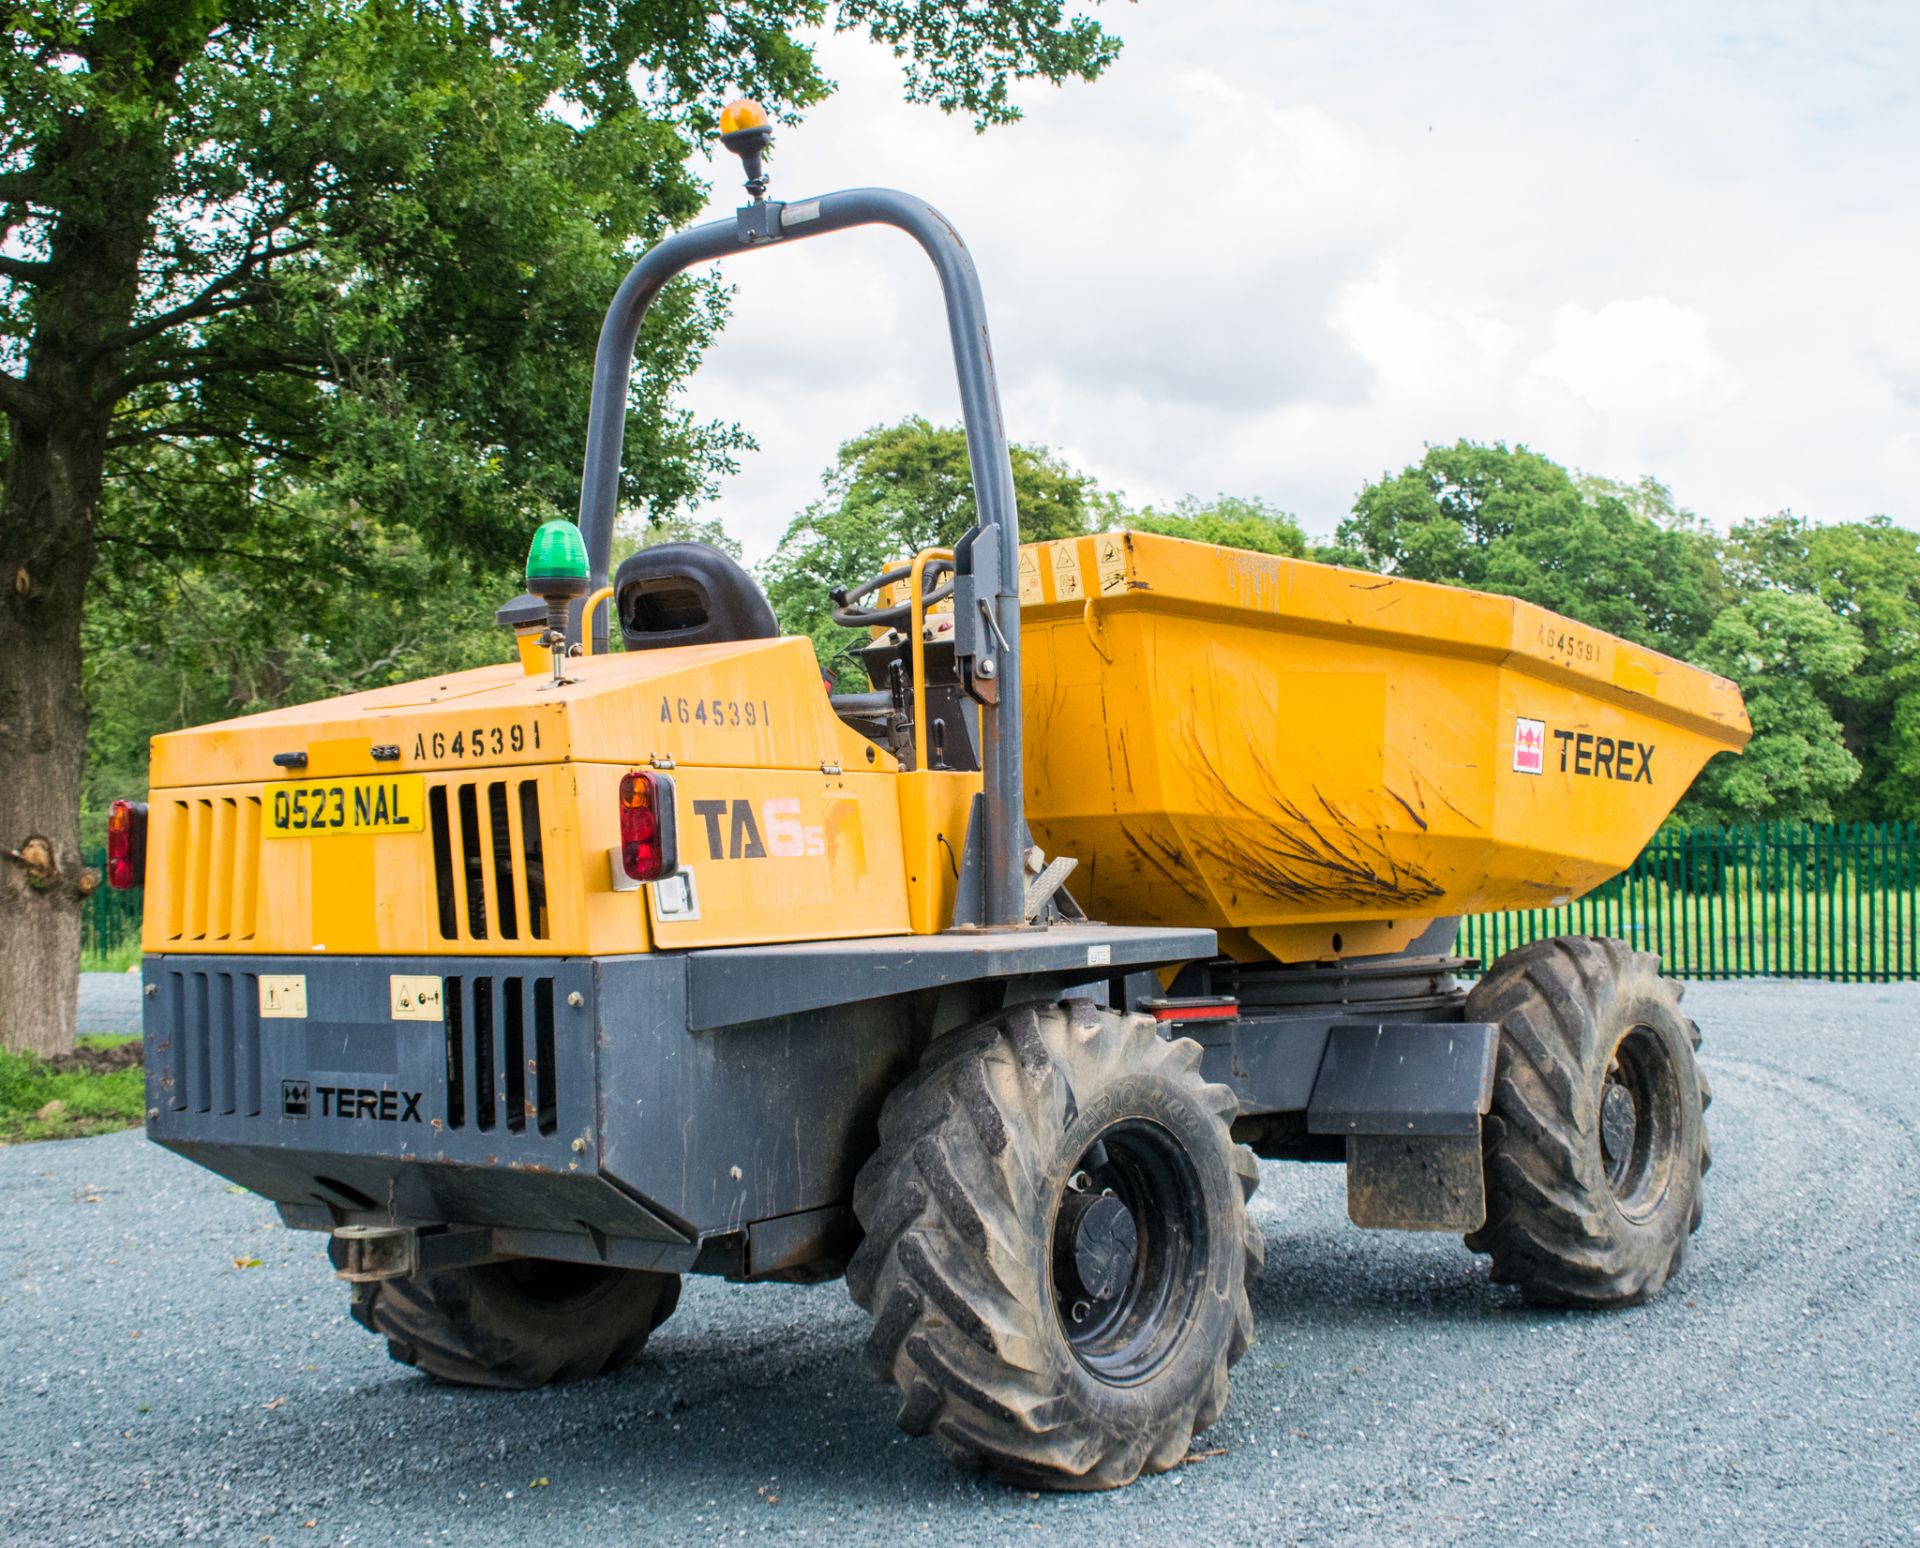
[1029, 577]
[1067, 585]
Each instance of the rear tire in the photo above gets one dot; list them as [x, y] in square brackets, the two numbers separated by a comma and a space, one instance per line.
[516, 1325]
[1597, 1143]
[1058, 1251]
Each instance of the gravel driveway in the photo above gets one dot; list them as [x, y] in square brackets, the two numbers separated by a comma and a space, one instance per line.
[150, 1390]
[109, 1002]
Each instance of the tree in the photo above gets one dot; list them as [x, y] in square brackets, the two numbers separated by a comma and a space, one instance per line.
[1647, 498]
[1510, 521]
[367, 244]
[891, 493]
[1868, 574]
[1230, 521]
[1789, 654]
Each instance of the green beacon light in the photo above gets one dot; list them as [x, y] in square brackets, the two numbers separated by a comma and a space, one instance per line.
[557, 572]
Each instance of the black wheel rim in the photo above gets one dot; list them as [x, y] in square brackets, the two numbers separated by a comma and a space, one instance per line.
[1129, 1251]
[1640, 1118]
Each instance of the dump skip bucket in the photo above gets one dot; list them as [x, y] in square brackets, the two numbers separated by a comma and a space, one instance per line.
[1317, 761]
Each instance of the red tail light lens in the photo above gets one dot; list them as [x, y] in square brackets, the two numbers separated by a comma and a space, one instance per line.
[127, 845]
[649, 847]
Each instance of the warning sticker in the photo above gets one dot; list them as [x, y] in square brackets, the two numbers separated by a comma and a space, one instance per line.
[414, 997]
[1067, 585]
[1029, 577]
[1110, 560]
[283, 995]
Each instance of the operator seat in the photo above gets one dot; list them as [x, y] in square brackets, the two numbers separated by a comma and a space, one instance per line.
[688, 594]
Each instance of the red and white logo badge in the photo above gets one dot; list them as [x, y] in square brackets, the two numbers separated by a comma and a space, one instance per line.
[1529, 745]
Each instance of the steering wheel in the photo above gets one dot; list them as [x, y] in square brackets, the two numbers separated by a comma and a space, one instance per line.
[848, 613]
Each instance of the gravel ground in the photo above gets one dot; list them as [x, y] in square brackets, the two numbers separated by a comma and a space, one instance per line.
[153, 1391]
[109, 1002]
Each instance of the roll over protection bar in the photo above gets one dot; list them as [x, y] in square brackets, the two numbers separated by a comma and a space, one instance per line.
[987, 600]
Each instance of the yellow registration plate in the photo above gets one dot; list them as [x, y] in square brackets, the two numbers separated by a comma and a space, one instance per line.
[395, 804]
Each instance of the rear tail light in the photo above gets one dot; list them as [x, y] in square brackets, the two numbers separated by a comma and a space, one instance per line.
[127, 845]
[649, 847]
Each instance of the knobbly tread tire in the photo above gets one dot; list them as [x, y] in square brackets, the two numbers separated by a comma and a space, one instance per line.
[1554, 1228]
[478, 1327]
[958, 1205]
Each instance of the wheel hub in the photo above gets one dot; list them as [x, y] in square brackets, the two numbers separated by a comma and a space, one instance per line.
[1619, 1122]
[1641, 1123]
[1098, 1243]
[1129, 1247]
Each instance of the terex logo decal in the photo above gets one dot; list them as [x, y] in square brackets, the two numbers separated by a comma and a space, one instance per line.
[383, 1106]
[733, 833]
[1529, 746]
[1582, 753]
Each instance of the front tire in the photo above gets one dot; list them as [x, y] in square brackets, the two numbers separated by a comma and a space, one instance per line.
[519, 1324]
[1596, 1145]
[1057, 1247]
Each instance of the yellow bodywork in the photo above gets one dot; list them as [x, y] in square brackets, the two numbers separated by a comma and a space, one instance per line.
[1312, 761]
[1316, 761]
[795, 827]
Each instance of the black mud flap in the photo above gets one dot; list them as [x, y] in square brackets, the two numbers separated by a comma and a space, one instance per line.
[1409, 1098]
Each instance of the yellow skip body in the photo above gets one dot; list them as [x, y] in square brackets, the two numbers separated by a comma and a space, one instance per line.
[1316, 761]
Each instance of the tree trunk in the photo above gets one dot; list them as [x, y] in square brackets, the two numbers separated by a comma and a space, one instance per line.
[46, 556]
[103, 175]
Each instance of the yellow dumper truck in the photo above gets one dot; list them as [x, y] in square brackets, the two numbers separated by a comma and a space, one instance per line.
[541, 985]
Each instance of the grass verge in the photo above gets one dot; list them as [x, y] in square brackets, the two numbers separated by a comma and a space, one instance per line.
[116, 960]
[73, 1096]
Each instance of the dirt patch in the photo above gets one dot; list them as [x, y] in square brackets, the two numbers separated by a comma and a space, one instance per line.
[97, 1061]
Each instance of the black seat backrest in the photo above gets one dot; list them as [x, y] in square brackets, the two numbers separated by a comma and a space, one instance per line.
[688, 594]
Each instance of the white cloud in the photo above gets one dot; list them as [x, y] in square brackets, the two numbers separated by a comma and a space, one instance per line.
[1646, 357]
[1425, 343]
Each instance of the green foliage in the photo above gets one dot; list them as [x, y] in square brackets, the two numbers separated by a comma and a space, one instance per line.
[1791, 657]
[370, 244]
[1510, 521]
[1898, 789]
[1230, 522]
[1866, 573]
[1648, 498]
[968, 56]
[377, 261]
[894, 491]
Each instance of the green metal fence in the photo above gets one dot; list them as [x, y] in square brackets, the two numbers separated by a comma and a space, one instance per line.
[1838, 901]
[109, 920]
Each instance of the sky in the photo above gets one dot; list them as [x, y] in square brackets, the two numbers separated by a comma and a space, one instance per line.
[1281, 247]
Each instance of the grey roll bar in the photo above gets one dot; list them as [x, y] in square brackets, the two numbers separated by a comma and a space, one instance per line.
[990, 581]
